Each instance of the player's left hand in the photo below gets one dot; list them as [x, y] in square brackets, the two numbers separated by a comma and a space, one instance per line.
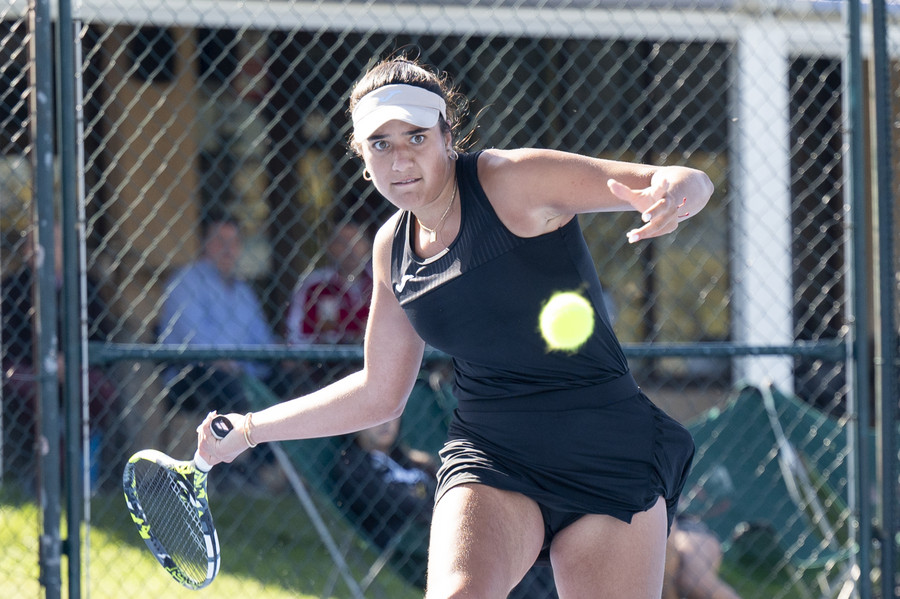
[659, 209]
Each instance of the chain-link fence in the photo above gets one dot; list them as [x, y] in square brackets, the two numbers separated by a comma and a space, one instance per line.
[214, 136]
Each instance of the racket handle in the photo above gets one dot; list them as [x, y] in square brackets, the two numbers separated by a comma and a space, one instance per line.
[220, 427]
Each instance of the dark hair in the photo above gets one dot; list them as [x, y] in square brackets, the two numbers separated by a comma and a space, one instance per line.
[408, 71]
[216, 219]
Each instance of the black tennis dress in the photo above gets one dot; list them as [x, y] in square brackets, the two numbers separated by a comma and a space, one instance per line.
[571, 430]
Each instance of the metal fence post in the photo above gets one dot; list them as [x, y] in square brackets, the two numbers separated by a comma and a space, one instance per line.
[859, 301]
[46, 302]
[886, 336]
[71, 310]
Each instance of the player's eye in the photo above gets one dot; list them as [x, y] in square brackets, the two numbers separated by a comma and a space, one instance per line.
[417, 139]
[379, 145]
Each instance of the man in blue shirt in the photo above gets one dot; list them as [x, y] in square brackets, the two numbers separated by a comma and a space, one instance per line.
[206, 303]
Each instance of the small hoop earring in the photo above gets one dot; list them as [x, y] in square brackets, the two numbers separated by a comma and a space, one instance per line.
[452, 154]
[366, 175]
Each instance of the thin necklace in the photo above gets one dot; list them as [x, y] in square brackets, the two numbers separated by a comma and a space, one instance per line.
[434, 232]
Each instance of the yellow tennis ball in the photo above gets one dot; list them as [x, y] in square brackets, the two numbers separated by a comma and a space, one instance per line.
[566, 321]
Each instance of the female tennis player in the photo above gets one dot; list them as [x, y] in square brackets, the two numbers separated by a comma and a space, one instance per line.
[552, 454]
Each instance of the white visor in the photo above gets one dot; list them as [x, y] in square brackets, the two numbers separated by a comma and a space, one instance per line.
[408, 103]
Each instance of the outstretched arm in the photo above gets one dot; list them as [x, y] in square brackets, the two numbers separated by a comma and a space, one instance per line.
[535, 191]
[375, 394]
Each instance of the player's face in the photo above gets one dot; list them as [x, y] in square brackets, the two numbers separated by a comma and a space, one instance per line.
[409, 165]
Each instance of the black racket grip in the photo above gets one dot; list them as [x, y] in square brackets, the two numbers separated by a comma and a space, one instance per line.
[220, 427]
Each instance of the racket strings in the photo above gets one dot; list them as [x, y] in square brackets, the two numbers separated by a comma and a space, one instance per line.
[172, 513]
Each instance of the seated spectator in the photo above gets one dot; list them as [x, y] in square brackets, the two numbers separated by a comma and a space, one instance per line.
[385, 484]
[331, 304]
[20, 383]
[388, 488]
[693, 558]
[207, 303]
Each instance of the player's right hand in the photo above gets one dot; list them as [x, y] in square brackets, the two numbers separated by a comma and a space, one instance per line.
[215, 451]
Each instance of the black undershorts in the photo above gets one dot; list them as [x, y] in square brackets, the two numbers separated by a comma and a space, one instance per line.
[554, 522]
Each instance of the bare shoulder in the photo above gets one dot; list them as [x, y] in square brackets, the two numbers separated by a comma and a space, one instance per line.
[385, 232]
[540, 168]
[546, 188]
[502, 165]
[523, 186]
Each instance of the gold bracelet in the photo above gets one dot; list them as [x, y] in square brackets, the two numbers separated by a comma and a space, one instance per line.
[247, 422]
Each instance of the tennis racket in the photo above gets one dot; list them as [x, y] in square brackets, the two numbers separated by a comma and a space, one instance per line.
[168, 502]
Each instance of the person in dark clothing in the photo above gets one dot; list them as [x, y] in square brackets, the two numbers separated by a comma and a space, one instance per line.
[384, 483]
[551, 456]
[387, 489]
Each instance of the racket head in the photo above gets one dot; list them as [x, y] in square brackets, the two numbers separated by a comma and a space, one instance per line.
[168, 502]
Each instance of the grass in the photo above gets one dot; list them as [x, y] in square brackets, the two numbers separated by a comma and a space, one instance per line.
[269, 551]
[19, 521]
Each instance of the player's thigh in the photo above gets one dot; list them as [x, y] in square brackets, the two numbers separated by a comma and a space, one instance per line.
[601, 556]
[483, 541]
